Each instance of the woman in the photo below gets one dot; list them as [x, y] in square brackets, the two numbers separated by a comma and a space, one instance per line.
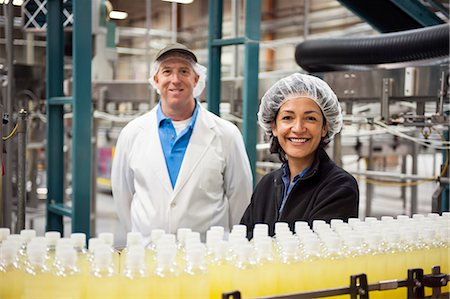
[301, 115]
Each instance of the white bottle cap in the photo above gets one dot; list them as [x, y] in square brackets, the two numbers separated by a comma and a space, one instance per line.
[212, 238]
[387, 218]
[403, 217]
[281, 227]
[300, 225]
[67, 256]
[52, 237]
[418, 217]
[20, 240]
[65, 242]
[240, 230]
[336, 222]
[181, 234]
[4, 233]
[8, 252]
[218, 229]
[79, 240]
[94, 243]
[221, 249]
[134, 238]
[102, 255]
[311, 246]
[156, 234]
[107, 238]
[41, 241]
[36, 254]
[28, 234]
[264, 247]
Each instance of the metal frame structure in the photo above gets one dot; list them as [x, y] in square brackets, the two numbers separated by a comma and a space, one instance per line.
[251, 67]
[82, 117]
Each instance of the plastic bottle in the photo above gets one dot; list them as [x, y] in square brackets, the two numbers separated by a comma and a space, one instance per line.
[376, 262]
[335, 259]
[108, 239]
[165, 281]
[103, 279]
[312, 264]
[11, 275]
[52, 238]
[4, 233]
[133, 239]
[244, 272]
[67, 280]
[220, 270]
[395, 263]
[150, 251]
[37, 273]
[134, 282]
[194, 279]
[79, 244]
[266, 267]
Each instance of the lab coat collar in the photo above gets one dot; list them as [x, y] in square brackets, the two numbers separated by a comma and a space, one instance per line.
[201, 139]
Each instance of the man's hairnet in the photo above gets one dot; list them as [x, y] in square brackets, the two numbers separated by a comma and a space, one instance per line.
[199, 69]
[301, 85]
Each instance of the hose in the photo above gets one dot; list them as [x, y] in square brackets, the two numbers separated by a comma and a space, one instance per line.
[339, 53]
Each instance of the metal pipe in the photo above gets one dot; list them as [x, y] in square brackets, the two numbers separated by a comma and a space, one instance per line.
[307, 8]
[2, 202]
[174, 22]
[369, 187]
[21, 169]
[395, 175]
[148, 24]
[235, 22]
[7, 188]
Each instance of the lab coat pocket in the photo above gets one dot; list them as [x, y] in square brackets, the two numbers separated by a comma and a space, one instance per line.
[212, 176]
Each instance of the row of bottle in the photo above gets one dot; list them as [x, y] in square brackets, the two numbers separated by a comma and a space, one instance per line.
[181, 266]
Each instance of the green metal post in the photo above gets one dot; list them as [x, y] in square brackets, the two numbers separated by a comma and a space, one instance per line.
[214, 55]
[416, 10]
[55, 125]
[82, 116]
[251, 70]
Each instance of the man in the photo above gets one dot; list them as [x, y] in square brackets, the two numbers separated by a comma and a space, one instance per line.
[180, 165]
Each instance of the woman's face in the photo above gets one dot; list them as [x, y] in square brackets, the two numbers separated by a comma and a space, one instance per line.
[299, 127]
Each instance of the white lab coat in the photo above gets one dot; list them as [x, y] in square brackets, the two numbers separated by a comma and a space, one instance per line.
[213, 187]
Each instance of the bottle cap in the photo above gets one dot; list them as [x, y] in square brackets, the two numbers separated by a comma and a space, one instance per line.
[4, 233]
[107, 238]
[28, 234]
[52, 237]
[79, 240]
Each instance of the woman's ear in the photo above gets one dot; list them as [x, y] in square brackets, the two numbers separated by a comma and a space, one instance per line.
[274, 128]
[324, 131]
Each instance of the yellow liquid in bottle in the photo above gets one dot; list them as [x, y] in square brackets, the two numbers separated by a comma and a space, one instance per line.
[164, 287]
[312, 274]
[376, 270]
[102, 287]
[219, 275]
[37, 285]
[12, 283]
[395, 270]
[69, 286]
[132, 288]
[289, 277]
[194, 286]
[335, 274]
[445, 265]
[267, 278]
[244, 281]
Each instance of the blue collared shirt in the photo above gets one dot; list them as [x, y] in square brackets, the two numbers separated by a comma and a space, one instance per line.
[174, 146]
[286, 181]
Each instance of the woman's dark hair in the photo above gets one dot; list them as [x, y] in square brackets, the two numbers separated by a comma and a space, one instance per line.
[275, 147]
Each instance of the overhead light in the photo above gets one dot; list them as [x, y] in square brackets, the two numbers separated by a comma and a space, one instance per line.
[180, 1]
[118, 15]
[17, 2]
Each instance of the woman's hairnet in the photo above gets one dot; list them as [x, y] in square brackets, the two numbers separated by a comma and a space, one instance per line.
[301, 85]
[199, 69]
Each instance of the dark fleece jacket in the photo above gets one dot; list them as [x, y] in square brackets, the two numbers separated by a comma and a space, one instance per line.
[326, 192]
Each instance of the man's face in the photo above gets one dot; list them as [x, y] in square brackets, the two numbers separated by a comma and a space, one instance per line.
[176, 80]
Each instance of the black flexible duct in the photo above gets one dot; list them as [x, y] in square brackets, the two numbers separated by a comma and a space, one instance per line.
[339, 53]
